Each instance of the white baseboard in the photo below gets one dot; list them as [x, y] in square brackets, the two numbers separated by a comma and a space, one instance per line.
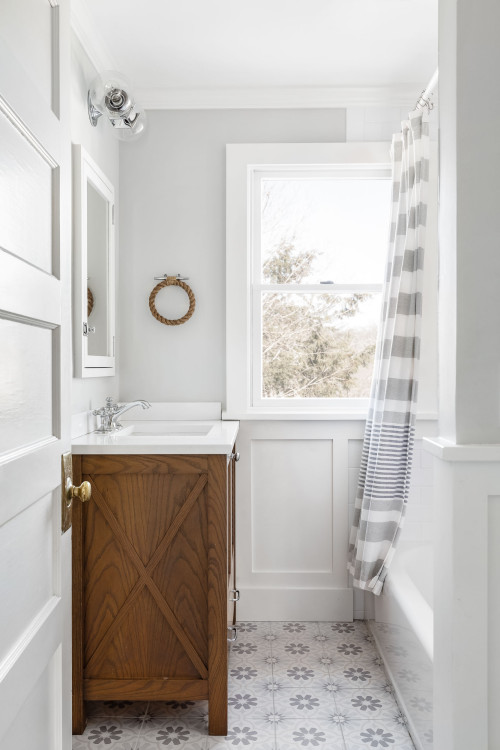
[310, 605]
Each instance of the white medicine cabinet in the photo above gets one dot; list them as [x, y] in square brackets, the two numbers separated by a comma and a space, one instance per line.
[93, 268]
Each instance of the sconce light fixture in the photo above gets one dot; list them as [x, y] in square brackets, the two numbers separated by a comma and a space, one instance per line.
[109, 95]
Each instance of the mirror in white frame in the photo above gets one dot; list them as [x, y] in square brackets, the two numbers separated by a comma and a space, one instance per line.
[94, 268]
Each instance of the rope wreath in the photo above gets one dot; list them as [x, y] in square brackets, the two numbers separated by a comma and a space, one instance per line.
[172, 281]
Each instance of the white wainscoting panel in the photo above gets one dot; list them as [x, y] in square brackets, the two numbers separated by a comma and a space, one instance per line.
[291, 506]
[292, 519]
[295, 488]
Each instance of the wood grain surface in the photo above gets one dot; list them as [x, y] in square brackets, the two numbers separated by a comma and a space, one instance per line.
[150, 581]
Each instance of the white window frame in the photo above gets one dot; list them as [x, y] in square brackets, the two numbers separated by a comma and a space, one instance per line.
[245, 166]
[326, 172]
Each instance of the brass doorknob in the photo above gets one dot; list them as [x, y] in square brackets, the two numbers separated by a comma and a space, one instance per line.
[82, 492]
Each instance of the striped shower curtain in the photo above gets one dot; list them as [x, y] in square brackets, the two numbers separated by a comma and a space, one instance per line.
[384, 478]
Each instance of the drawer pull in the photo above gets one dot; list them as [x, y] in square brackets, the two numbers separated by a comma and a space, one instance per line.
[236, 456]
[236, 596]
[234, 635]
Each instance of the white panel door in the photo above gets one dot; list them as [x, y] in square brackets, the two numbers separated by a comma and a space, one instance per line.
[35, 558]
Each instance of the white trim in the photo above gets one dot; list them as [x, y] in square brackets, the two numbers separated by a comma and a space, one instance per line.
[446, 450]
[279, 97]
[87, 172]
[244, 162]
[295, 604]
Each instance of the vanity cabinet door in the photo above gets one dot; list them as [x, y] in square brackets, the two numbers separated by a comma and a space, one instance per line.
[150, 582]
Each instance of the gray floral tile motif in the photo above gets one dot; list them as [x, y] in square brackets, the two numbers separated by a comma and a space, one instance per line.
[239, 701]
[105, 734]
[246, 649]
[308, 737]
[343, 627]
[300, 674]
[357, 674]
[247, 627]
[378, 735]
[297, 648]
[304, 702]
[294, 627]
[366, 703]
[174, 733]
[349, 649]
[241, 736]
[243, 673]
[309, 733]
[118, 734]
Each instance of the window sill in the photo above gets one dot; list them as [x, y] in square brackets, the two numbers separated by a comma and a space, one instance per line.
[312, 415]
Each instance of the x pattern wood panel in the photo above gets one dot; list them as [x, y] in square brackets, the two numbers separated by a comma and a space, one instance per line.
[146, 598]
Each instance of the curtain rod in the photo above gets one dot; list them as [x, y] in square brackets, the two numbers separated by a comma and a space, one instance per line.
[425, 98]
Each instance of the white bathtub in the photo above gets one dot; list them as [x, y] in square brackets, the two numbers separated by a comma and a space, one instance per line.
[403, 630]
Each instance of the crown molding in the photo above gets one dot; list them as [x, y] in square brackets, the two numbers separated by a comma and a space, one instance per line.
[89, 38]
[286, 97]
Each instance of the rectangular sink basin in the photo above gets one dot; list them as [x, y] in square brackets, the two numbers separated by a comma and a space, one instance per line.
[168, 429]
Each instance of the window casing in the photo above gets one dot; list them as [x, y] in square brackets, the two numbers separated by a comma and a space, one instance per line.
[248, 165]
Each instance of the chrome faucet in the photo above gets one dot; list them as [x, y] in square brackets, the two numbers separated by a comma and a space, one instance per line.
[109, 414]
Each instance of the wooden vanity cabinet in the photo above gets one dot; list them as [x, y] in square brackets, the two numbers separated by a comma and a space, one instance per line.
[153, 573]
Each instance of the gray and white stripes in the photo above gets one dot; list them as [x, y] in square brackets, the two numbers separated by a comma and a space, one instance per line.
[389, 434]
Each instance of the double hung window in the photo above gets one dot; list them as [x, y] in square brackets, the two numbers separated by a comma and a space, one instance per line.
[306, 256]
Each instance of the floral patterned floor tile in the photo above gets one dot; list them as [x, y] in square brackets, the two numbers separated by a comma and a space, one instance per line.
[363, 704]
[293, 630]
[357, 673]
[117, 734]
[292, 685]
[304, 704]
[122, 709]
[298, 647]
[297, 734]
[257, 734]
[174, 732]
[253, 628]
[245, 704]
[376, 735]
[300, 675]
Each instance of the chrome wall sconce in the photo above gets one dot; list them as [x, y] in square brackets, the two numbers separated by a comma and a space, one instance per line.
[110, 95]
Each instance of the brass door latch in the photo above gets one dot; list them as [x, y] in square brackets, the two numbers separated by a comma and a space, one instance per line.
[68, 491]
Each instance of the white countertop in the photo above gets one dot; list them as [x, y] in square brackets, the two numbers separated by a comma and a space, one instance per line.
[161, 436]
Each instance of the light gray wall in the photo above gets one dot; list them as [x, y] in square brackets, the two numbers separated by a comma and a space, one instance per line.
[88, 393]
[469, 61]
[172, 193]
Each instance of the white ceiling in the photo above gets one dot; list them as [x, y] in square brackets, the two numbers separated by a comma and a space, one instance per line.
[215, 49]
